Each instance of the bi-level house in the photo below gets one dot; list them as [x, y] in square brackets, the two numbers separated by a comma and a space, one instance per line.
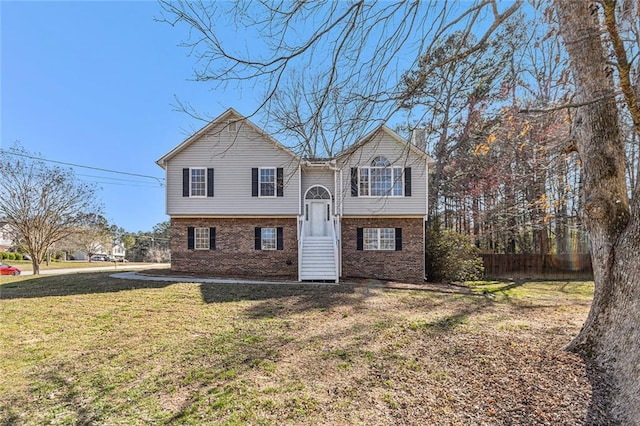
[242, 204]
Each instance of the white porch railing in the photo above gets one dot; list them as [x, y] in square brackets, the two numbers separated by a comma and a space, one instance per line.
[300, 245]
[335, 232]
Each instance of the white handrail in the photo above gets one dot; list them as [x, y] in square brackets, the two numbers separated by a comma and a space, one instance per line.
[300, 239]
[334, 234]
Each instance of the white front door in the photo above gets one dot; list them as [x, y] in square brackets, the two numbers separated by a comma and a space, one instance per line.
[317, 218]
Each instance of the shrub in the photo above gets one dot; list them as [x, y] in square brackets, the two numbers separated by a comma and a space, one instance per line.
[10, 256]
[18, 256]
[450, 256]
[3, 255]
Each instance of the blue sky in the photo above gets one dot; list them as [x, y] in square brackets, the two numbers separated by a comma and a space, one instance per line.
[93, 83]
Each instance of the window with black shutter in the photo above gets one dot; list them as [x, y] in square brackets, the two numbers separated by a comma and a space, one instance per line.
[354, 181]
[212, 238]
[190, 237]
[407, 181]
[398, 239]
[209, 182]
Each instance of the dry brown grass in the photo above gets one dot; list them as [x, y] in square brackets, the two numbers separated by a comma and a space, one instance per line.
[89, 349]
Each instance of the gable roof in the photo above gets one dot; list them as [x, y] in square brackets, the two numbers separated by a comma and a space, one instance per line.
[216, 121]
[396, 137]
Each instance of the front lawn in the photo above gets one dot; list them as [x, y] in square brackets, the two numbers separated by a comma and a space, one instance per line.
[90, 349]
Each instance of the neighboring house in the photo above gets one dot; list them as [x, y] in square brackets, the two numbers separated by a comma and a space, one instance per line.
[118, 251]
[6, 236]
[242, 204]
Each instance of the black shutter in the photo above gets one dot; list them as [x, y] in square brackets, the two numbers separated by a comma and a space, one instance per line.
[258, 238]
[185, 182]
[279, 239]
[280, 182]
[209, 182]
[212, 238]
[407, 181]
[354, 181]
[190, 238]
[359, 238]
[398, 239]
[254, 182]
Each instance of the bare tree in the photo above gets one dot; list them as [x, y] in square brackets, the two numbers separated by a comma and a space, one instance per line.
[44, 204]
[367, 46]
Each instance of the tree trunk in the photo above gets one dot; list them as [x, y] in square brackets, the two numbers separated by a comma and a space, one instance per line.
[35, 265]
[610, 336]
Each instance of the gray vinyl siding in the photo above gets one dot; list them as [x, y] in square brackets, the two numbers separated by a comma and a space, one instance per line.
[232, 156]
[400, 156]
[312, 176]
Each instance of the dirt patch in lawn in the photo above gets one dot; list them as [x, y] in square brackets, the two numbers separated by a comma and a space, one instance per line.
[107, 351]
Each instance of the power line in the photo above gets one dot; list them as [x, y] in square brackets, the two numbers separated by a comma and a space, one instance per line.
[131, 181]
[128, 185]
[159, 180]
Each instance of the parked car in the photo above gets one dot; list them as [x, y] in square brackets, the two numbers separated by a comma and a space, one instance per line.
[98, 258]
[25, 256]
[8, 269]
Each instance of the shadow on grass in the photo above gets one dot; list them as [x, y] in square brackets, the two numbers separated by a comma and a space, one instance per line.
[73, 284]
[276, 298]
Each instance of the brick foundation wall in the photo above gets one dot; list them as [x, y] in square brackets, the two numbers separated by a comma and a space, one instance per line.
[405, 265]
[235, 254]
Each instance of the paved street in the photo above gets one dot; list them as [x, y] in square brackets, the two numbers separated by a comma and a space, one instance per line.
[106, 267]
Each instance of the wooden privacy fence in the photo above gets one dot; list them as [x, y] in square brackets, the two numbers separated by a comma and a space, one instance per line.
[537, 265]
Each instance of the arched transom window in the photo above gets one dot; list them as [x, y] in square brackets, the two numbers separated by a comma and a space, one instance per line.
[380, 179]
[318, 193]
[380, 162]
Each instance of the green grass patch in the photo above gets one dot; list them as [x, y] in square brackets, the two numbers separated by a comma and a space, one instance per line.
[535, 289]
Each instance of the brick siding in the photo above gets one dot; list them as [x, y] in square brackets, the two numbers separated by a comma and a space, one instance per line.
[235, 254]
[405, 265]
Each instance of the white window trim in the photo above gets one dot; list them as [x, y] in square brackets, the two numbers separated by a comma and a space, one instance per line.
[275, 239]
[232, 126]
[190, 182]
[195, 238]
[378, 240]
[393, 180]
[275, 182]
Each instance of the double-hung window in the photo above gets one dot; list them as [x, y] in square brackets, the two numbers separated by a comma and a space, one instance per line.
[267, 183]
[201, 238]
[379, 238]
[380, 179]
[198, 182]
[268, 239]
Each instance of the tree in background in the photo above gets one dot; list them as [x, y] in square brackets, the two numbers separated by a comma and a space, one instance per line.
[45, 204]
[150, 246]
